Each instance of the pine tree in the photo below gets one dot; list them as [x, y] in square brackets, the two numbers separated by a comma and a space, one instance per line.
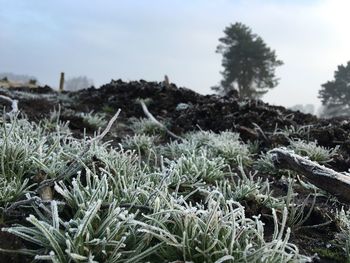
[249, 65]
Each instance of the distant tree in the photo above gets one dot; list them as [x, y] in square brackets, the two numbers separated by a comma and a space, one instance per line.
[249, 65]
[32, 81]
[78, 83]
[16, 77]
[335, 94]
[333, 111]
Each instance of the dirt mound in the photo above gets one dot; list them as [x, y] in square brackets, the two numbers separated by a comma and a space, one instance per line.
[184, 110]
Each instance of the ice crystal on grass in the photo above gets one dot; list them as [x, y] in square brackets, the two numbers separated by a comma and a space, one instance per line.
[175, 149]
[121, 205]
[19, 142]
[217, 233]
[31, 153]
[293, 131]
[12, 190]
[343, 220]
[264, 164]
[54, 124]
[120, 163]
[226, 145]
[196, 167]
[96, 120]
[298, 214]
[97, 228]
[146, 126]
[315, 152]
[141, 143]
[29, 149]
[243, 187]
[201, 138]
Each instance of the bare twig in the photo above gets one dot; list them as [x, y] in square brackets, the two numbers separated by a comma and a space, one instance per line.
[14, 104]
[152, 118]
[260, 131]
[76, 165]
[109, 126]
[335, 183]
[17, 204]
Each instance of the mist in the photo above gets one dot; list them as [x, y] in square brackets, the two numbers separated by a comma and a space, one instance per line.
[134, 40]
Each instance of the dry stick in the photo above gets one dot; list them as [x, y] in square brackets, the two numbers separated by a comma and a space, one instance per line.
[14, 104]
[74, 167]
[259, 130]
[335, 183]
[152, 118]
[109, 126]
[22, 202]
[30, 201]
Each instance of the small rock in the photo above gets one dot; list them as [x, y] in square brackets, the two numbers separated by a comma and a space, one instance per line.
[182, 106]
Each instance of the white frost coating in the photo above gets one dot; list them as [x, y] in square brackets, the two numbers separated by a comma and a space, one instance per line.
[14, 104]
[109, 126]
[325, 178]
[149, 115]
[152, 118]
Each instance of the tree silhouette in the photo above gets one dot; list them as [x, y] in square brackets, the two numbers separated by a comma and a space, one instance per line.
[78, 83]
[249, 65]
[337, 91]
[335, 94]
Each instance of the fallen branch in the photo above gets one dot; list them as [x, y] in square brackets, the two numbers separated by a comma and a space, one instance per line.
[152, 118]
[333, 182]
[14, 105]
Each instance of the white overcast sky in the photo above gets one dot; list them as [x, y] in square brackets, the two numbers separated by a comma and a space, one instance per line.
[136, 39]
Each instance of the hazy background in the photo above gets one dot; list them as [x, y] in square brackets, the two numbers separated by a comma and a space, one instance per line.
[136, 39]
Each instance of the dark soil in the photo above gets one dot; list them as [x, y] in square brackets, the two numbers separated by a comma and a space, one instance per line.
[11, 242]
[253, 119]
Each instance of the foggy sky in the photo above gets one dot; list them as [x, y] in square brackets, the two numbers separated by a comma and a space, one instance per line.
[136, 39]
